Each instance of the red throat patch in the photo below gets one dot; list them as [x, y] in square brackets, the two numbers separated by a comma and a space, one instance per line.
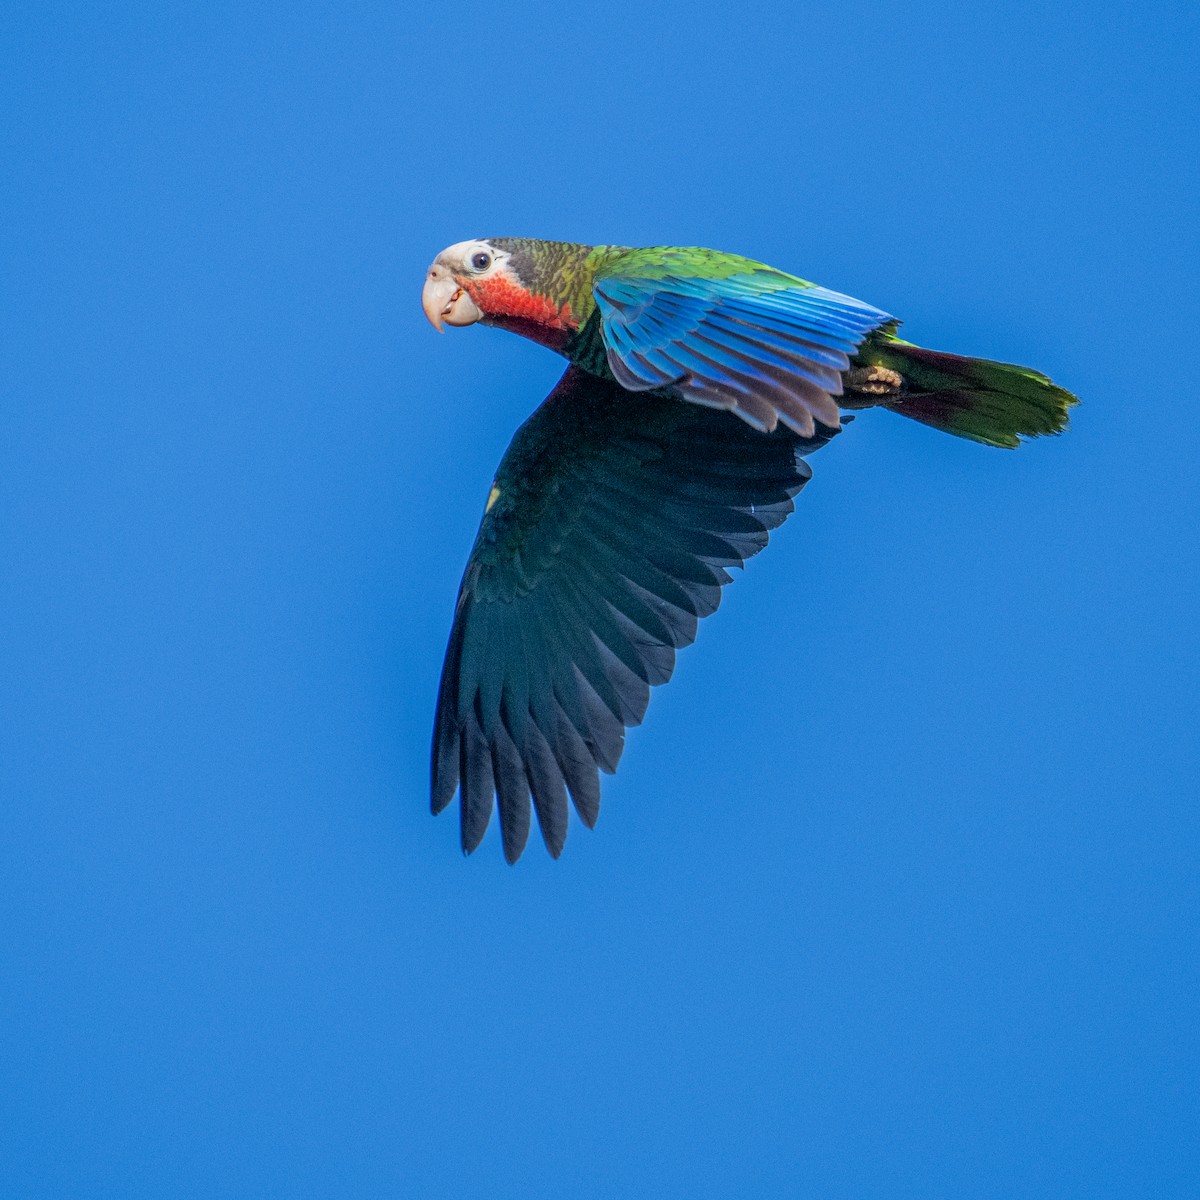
[502, 298]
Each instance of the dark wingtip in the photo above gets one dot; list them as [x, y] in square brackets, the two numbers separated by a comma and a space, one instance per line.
[515, 838]
[471, 840]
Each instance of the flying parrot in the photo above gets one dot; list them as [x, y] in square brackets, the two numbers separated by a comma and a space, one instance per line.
[697, 382]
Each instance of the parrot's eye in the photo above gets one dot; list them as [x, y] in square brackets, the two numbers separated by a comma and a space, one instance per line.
[481, 261]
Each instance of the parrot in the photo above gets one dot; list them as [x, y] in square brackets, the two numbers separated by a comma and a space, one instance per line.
[697, 384]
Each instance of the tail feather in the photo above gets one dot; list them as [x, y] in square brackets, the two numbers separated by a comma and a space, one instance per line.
[991, 402]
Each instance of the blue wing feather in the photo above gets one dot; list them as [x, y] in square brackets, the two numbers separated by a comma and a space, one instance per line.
[761, 343]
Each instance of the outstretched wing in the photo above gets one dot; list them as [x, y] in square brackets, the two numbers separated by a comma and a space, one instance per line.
[728, 332]
[606, 537]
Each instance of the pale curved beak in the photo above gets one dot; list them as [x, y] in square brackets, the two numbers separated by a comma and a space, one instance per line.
[444, 302]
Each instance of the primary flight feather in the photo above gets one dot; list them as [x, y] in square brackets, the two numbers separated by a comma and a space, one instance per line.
[697, 382]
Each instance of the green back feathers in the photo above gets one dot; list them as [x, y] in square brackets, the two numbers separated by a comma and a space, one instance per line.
[692, 262]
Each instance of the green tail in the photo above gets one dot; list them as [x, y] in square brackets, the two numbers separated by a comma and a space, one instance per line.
[991, 402]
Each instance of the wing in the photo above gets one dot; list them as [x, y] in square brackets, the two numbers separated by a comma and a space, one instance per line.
[728, 332]
[606, 537]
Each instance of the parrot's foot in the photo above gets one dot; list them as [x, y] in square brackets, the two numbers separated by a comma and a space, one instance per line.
[873, 381]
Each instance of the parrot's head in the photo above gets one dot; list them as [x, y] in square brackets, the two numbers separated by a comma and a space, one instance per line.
[509, 282]
[461, 280]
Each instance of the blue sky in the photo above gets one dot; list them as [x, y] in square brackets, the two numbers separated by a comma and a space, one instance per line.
[895, 893]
